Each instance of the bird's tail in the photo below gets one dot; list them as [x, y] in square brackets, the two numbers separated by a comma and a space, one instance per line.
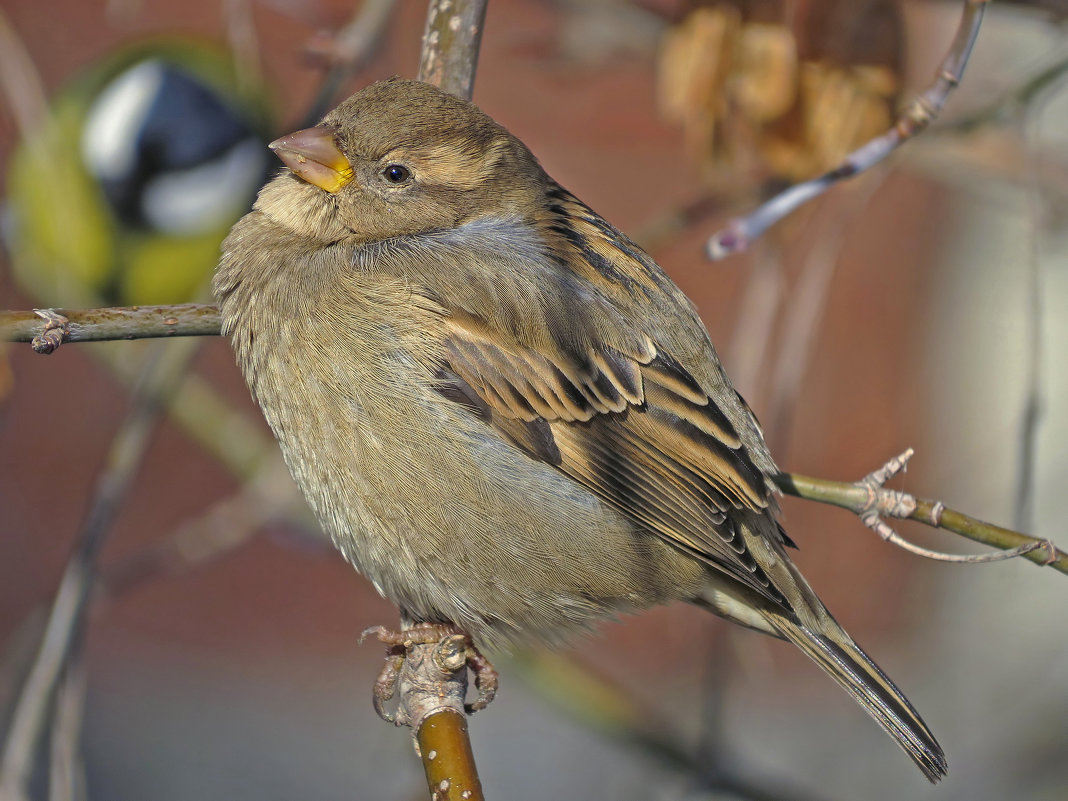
[834, 651]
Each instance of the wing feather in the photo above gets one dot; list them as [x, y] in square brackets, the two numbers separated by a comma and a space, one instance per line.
[570, 343]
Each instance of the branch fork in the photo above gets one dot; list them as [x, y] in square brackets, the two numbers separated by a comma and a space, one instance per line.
[882, 502]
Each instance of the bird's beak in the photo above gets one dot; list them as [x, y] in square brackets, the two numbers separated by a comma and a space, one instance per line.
[313, 155]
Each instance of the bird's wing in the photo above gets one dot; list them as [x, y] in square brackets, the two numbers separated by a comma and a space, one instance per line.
[640, 436]
[597, 364]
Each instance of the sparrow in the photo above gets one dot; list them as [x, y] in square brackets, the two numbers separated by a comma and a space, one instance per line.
[506, 415]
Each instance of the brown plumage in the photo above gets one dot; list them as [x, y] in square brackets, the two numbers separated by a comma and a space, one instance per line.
[504, 412]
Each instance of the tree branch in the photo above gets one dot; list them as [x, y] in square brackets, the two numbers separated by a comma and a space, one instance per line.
[98, 325]
[347, 51]
[429, 679]
[433, 685]
[432, 682]
[869, 500]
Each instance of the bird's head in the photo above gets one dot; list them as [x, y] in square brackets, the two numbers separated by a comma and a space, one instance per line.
[400, 158]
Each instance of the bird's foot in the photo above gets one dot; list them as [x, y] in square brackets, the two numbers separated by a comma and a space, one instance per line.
[455, 650]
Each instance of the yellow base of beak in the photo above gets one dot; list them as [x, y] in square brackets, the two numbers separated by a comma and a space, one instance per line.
[313, 155]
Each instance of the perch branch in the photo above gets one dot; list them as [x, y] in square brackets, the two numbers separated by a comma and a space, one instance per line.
[431, 684]
[98, 325]
[194, 319]
[871, 501]
[919, 114]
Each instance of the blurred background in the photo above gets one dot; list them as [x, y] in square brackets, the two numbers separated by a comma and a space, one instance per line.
[923, 305]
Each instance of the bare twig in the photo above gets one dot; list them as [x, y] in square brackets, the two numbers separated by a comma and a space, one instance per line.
[432, 683]
[1008, 105]
[808, 300]
[193, 319]
[450, 45]
[97, 325]
[227, 525]
[871, 501]
[917, 116]
[66, 775]
[224, 527]
[757, 312]
[347, 51]
[1031, 418]
[68, 609]
[244, 43]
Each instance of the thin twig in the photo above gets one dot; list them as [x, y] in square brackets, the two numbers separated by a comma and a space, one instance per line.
[66, 774]
[244, 43]
[1008, 105]
[871, 501]
[225, 526]
[808, 302]
[1031, 418]
[131, 322]
[432, 684]
[451, 43]
[193, 319]
[916, 117]
[347, 51]
[68, 609]
[757, 312]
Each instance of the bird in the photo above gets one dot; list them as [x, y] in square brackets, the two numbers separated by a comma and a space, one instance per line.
[505, 413]
[159, 149]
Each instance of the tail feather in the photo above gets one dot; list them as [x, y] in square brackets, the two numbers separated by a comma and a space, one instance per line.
[855, 672]
[804, 620]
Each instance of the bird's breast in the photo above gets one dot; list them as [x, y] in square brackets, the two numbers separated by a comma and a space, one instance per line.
[444, 516]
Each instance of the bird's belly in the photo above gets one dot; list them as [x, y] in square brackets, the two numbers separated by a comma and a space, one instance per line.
[454, 523]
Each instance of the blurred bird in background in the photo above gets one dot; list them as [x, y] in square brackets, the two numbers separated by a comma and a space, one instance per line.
[143, 163]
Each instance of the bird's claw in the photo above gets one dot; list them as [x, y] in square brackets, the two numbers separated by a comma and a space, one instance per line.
[452, 643]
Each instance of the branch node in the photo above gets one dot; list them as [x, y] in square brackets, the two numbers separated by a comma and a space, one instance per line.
[1051, 552]
[935, 518]
[897, 464]
[56, 332]
[879, 526]
[894, 503]
[732, 239]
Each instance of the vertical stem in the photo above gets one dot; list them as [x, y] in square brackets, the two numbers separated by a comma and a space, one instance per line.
[451, 43]
[455, 777]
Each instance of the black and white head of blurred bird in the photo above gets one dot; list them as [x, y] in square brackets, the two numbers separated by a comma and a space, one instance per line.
[127, 186]
[169, 153]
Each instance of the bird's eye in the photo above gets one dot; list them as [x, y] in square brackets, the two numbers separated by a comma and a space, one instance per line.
[396, 173]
